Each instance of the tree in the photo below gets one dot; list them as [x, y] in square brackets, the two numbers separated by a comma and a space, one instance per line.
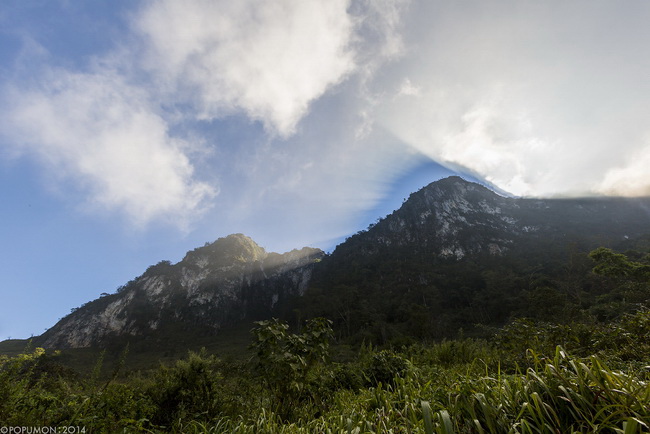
[631, 279]
[611, 264]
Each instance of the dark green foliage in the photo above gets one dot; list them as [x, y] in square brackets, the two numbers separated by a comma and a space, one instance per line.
[617, 265]
[396, 297]
[559, 367]
[629, 281]
[36, 391]
[384, 367]
[346, 376]
[286, 361]
[191, 388]
[115, 407]
[522, 335]
[626, 340]
[459, 386]
[450, 353]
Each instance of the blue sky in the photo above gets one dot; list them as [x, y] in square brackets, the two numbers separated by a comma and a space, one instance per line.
[133, 131]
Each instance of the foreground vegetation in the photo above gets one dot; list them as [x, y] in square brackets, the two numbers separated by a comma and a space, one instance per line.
[531, 376]
[519, 382]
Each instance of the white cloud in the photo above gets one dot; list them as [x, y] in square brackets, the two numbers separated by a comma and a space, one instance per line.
[267, 59]
[536, 98]
[631, 179]
[379, 31]
[407, 89]
[107, 130]
[102, 134]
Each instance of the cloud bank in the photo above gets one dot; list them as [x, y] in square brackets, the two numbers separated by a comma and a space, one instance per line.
[540, 99]
[339, 98]
[112, 128]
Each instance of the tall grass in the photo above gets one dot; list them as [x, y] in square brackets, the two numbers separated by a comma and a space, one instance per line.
[448, 387]
[556, 395]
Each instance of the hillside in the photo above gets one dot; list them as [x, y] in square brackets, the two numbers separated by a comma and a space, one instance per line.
[214, 286]
[458, 256]
[455, 256]
[463, 311]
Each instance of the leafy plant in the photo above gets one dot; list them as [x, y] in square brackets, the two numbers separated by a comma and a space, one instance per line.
[285, 360]
[189, 389]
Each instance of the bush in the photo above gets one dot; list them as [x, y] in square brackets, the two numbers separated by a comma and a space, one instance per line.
[189, 389]
[460, 352]
[384, 367]
[286, 361]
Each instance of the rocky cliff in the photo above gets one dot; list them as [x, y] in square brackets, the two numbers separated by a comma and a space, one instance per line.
[454, 218]
[457, 256]
[454, 246]
[212, 287]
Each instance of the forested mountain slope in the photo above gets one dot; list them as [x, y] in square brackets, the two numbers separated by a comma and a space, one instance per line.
[213, 287]
[456, 256]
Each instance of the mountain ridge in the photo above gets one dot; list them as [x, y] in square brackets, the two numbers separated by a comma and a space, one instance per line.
[457, 256]
[211, 287]
[444, 224]
[446, 208]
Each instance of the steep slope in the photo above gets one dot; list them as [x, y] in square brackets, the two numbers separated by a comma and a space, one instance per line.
[457, 254]
[212, 287]
[454, 218]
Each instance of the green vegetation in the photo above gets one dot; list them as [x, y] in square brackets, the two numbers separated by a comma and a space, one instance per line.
[452, 386]
[398, 296]
[532, 375]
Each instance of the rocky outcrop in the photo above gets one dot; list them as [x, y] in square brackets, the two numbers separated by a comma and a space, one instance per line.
[447, 221]
[454, 218]
[212, 287]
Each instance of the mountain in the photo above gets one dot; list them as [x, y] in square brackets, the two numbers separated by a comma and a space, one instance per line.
[454, 218]
[213, 287]
[455, 256]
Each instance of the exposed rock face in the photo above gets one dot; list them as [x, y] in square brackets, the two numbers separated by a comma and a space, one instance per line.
[449, 220]
[453, 218]
[212, 287]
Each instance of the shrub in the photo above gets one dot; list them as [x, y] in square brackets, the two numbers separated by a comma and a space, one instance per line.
[285, 361]
[384, 367]
[189, 389]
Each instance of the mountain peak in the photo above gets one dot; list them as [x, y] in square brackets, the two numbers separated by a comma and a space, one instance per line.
[239, 245]
[452, 189]
[234, 247]
[456, 183]
[214, 286]
[452, 179]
